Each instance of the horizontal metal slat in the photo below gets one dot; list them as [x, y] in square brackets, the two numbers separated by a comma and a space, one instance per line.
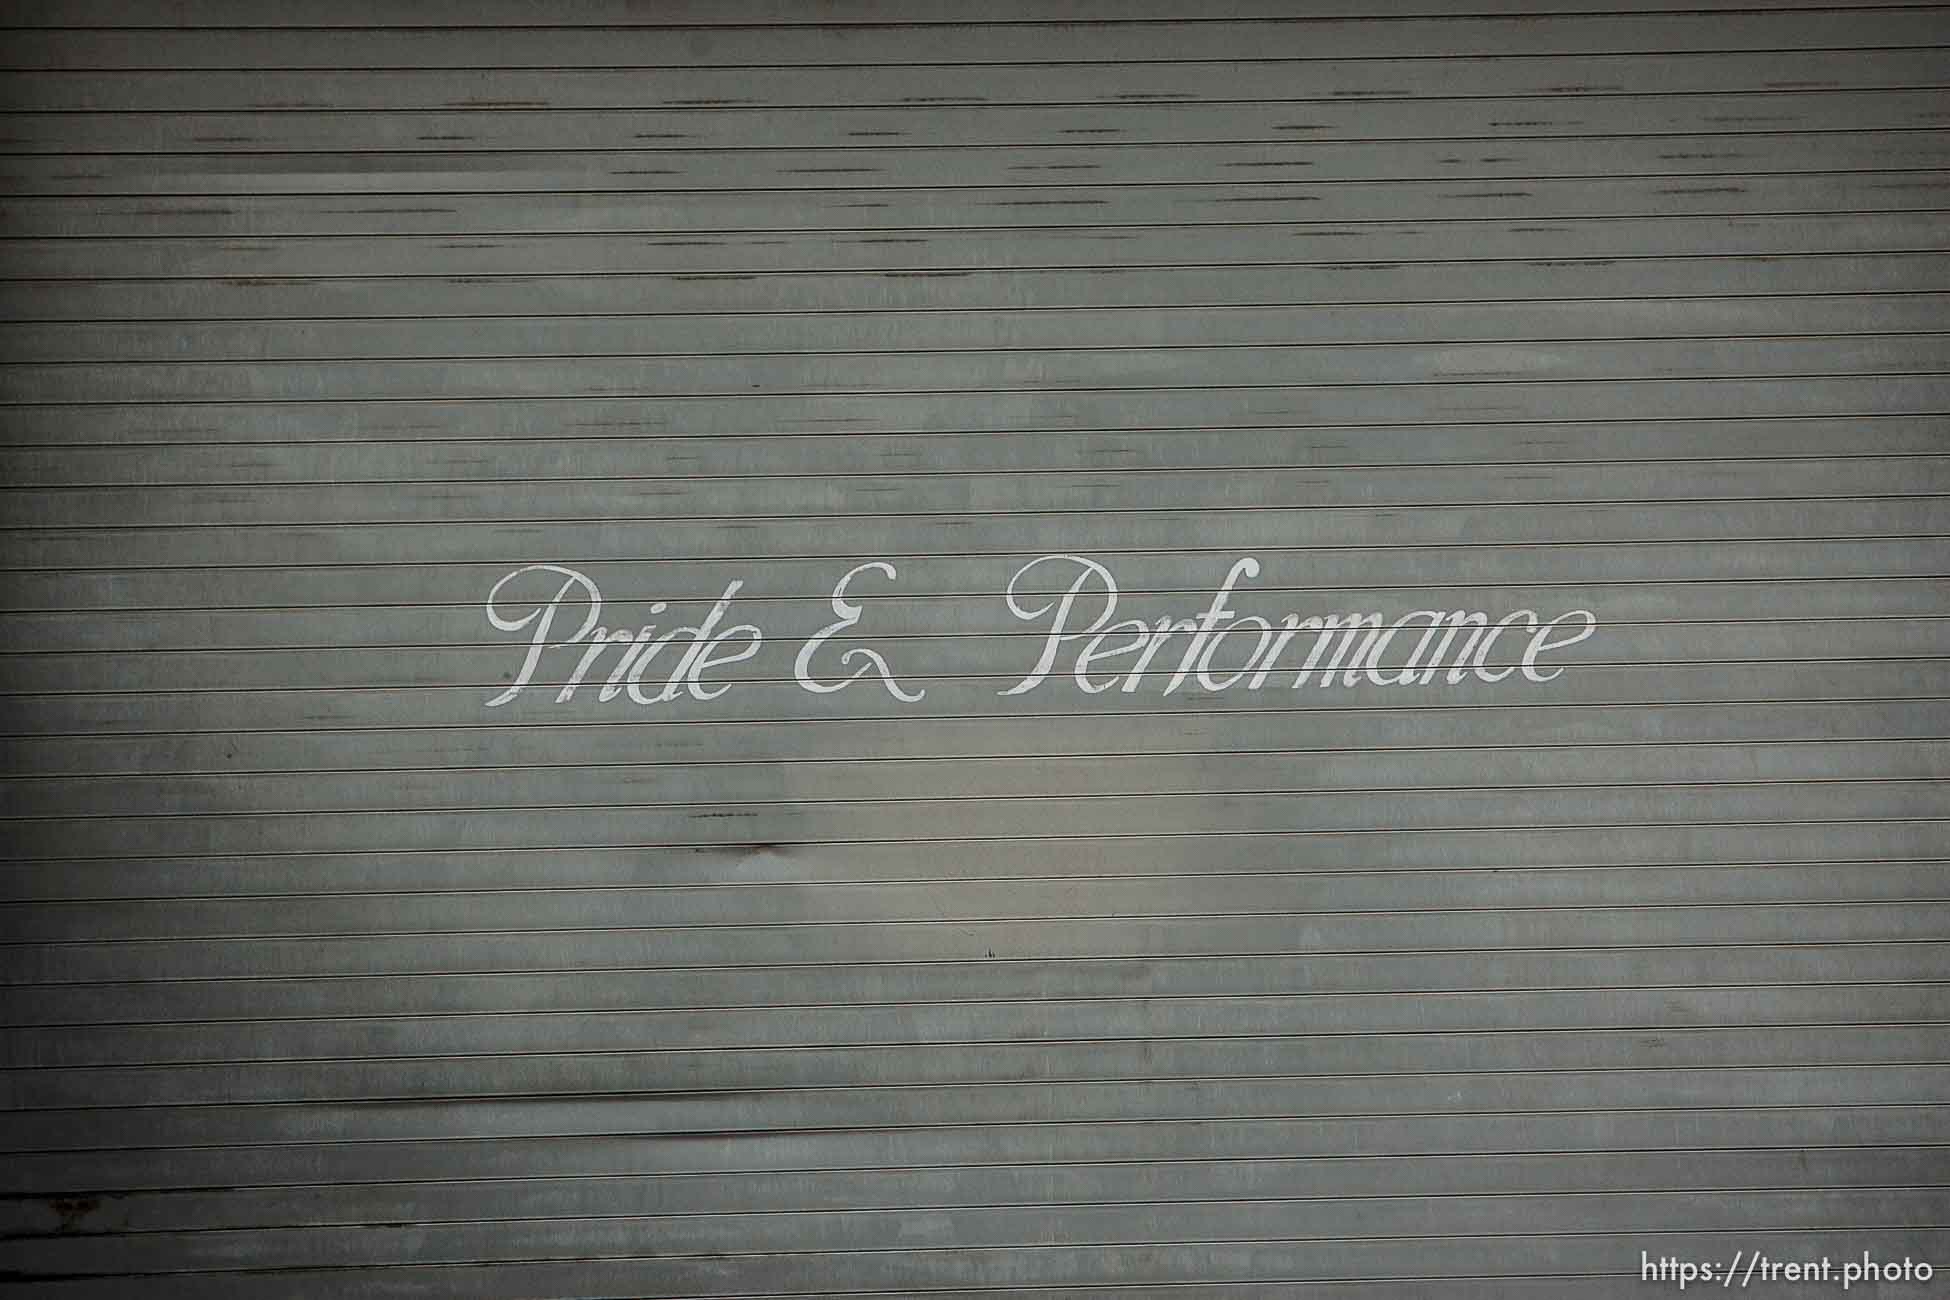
[1277, 262]
[769, 340]
[1070, 168]
[996, 1228]
[1025, 127]
[713, 13]
[1276, 534]
[974, 1025]
[1406, 1137]
[302, 998]
[1144, 86]
[677, 215]
[1319, 39]
[1268, 1178]
[1082, 938]
[1205, 893]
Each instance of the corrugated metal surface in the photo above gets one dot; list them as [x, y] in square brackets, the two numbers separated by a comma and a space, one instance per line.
[328, 976]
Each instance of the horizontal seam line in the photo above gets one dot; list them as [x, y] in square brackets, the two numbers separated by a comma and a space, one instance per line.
[1147, 998]
[878, 393]
[50, 153]
[1742, 745]
[1357, 953]
[1259, 346]
[1845, 1189]
[841, 23]
[384, 688]
[790, 1091]
[69, 324]
[990, 595]
[186, 526]
[955, 103]
[1135, 713]
[1770, 865]
[1068, 918]
[723, 845]
[907, 64]
[836, 559]
[219, 815]
[1544, 1153]
[828, 231]
[1308, 183]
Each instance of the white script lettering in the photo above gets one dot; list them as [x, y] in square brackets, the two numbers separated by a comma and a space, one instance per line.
[849, 614]
[1072, 603]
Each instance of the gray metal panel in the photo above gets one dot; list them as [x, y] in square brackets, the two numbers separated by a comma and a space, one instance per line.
[1022, 127]
[709, 13]
[1142, 88]
[321, 977]
[766, 46]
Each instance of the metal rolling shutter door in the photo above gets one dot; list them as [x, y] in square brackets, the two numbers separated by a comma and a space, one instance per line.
[324, 979]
